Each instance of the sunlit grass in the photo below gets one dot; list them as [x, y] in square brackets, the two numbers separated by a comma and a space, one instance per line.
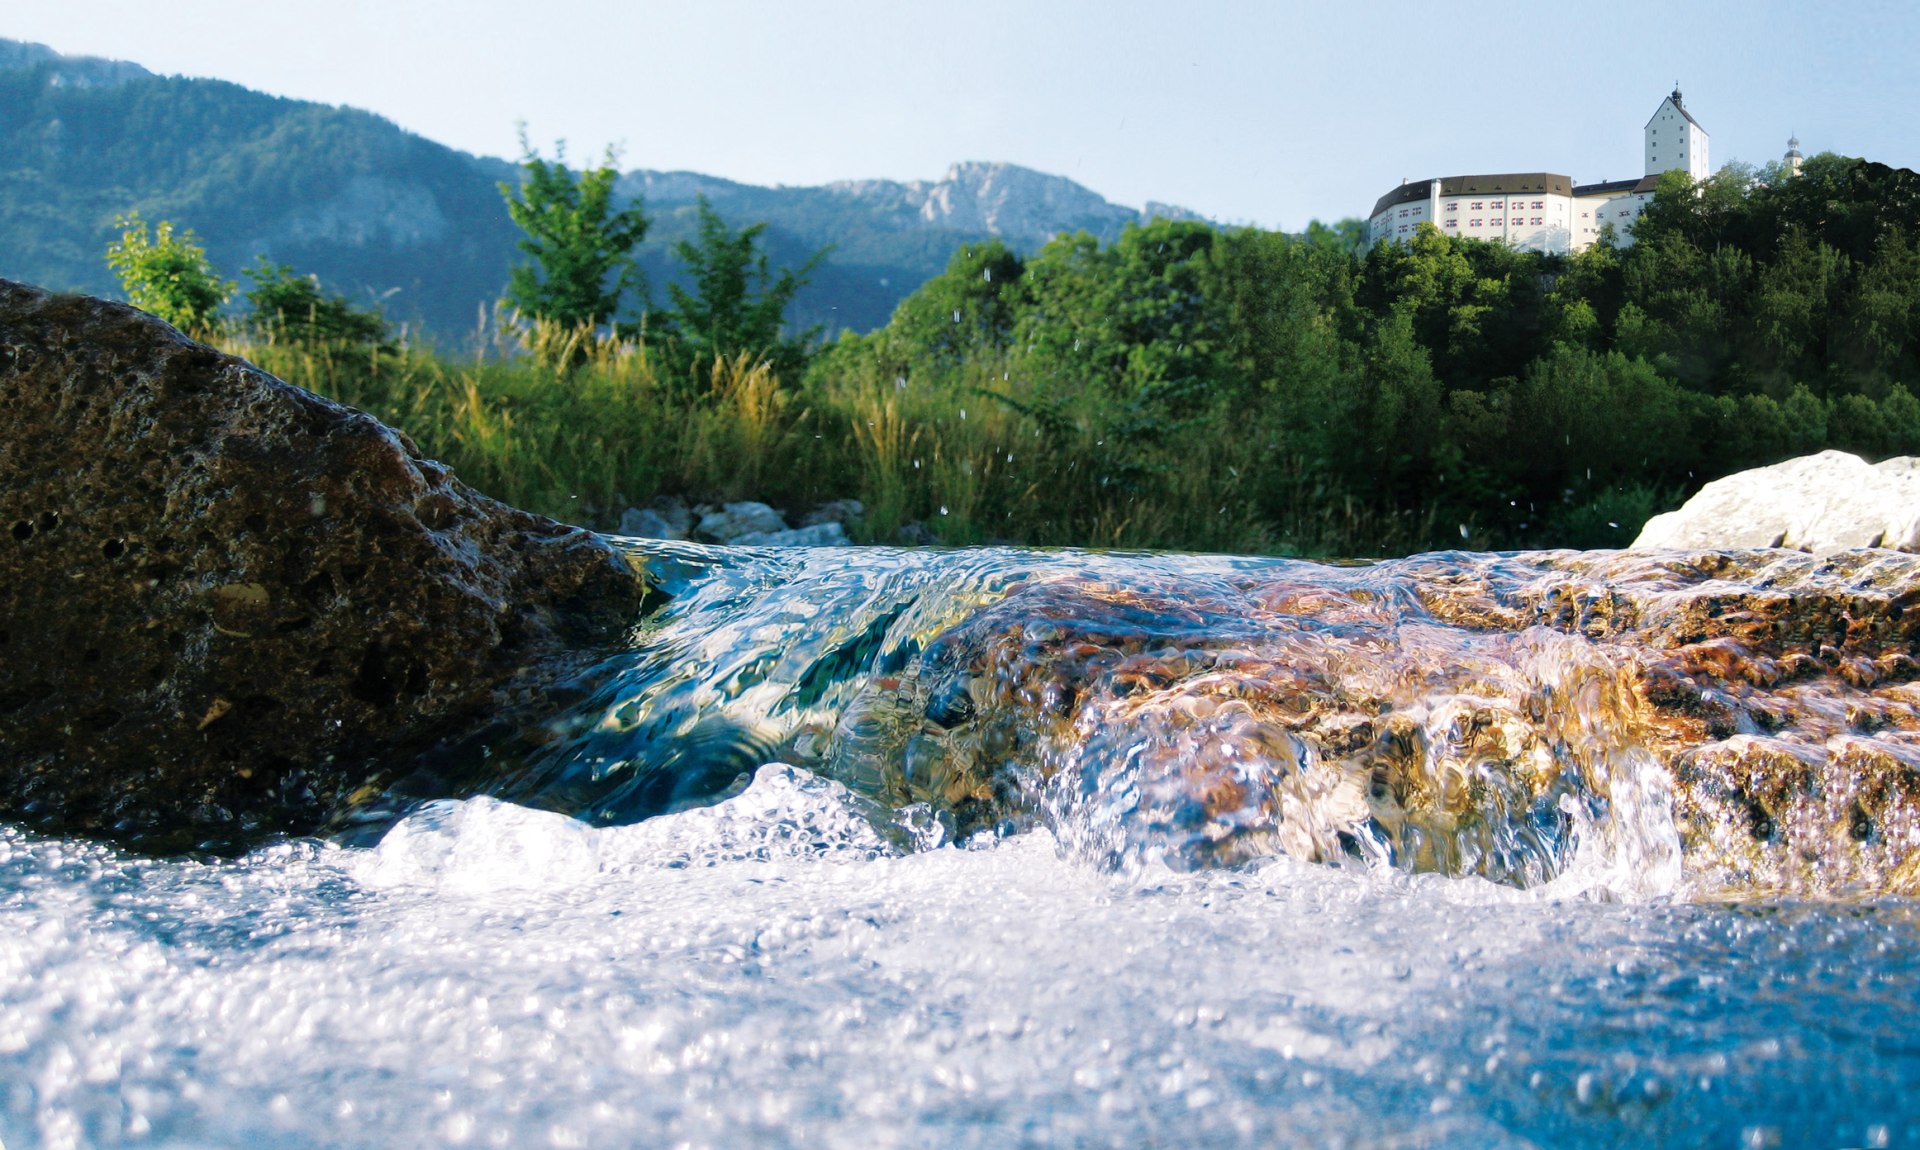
[580, 428]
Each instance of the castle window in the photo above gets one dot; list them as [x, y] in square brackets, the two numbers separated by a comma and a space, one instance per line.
[1453, 223]
[1538, 221]
[1453, 207]
[1473, 223]
[1477, 205]
[1538, 204]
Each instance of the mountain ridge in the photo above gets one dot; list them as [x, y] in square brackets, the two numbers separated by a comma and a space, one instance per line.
[375, 210]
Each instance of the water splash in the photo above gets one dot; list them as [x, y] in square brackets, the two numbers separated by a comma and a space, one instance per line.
[1525, 719]
[771, 971]
[485, 846]
[1066, 849]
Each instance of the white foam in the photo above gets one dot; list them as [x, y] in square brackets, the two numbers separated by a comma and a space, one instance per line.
[770, 972]
[484, 846]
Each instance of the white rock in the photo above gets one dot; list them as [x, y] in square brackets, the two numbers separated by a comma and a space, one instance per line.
[673, 510]
[646, 523]
[841, 511]
[734, 520]
[1821, 503]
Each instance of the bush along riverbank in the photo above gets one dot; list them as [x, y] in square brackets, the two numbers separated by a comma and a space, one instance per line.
[1198, 388]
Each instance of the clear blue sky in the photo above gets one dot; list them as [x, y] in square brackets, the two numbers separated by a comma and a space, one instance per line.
[1264, 113]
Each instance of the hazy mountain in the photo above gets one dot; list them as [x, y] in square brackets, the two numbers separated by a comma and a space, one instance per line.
[378, 212]
[74, 71]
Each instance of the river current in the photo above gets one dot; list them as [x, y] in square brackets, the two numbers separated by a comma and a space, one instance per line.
[738, 894]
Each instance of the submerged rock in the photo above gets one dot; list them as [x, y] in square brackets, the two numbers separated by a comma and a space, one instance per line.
[1821, 503]
[1754, 714]
[230, 607]
[828, 534]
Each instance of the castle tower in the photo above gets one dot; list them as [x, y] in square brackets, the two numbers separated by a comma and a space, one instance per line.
[1791, 161]
[1675, 140]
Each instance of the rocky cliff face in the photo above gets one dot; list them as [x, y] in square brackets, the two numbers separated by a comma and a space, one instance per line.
[1024, 207]
[229, 607]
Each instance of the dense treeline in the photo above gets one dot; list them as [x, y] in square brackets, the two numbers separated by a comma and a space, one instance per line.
[1197, 387]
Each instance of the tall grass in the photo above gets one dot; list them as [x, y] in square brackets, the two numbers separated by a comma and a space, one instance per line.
[582, 428]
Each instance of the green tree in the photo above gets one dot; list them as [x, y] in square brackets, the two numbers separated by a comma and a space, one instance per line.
[581, 245]
[1476, 307]
[167, 274]
[1882, 328]
[967, 311]
[1141, 320]
[1347, 237]
[287, 305]
[736, 304]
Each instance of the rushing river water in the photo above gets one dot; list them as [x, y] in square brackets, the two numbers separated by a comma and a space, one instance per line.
[956, 909]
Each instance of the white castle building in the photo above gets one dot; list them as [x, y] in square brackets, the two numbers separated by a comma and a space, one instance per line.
[1545, 211]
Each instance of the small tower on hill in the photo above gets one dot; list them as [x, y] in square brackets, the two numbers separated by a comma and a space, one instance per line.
[1675, 140]
[1791, 161]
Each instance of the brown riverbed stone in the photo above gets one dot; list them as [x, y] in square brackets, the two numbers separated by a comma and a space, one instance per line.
[1451, 712]
[230, 607]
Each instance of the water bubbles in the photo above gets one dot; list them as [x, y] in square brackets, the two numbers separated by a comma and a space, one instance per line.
[1204, 898]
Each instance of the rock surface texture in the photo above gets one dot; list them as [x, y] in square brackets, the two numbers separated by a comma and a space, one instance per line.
[229, 607]
[1821, 503]
[1752, 717]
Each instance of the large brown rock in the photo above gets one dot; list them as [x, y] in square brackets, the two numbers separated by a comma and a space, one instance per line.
[230, 607]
